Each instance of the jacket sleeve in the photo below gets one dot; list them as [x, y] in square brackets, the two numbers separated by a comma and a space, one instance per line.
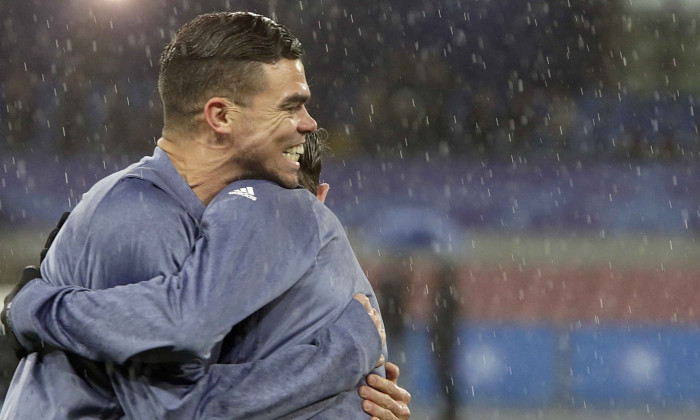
[248, 256]
[290, 379]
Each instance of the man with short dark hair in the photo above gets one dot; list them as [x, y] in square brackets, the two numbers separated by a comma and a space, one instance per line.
[311, 163]
[255, 129]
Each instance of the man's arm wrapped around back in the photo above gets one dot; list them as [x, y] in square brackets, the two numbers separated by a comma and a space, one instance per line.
[172, 318]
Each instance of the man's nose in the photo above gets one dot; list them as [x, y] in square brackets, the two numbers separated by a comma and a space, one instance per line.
[307, 123]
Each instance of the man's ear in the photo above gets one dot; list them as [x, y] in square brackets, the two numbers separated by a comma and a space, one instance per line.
[322, 192]
[220, 114]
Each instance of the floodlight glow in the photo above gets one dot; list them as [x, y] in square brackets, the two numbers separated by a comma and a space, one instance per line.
[484, 366]
[642, 367]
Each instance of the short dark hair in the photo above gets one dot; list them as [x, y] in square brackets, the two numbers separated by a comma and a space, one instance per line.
[310, 163]
[219, 54]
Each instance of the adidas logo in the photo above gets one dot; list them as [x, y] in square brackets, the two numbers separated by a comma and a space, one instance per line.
[246, 192]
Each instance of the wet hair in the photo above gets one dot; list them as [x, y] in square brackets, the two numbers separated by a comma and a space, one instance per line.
[315, 148]
[219, 54]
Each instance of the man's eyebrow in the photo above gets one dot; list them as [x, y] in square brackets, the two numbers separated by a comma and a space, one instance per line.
[295, 99]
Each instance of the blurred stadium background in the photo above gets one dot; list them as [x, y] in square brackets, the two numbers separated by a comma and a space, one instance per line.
[519, 179]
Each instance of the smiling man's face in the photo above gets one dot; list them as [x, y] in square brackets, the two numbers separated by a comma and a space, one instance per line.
[269, 131]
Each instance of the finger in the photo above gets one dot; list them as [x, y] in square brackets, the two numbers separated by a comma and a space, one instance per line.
[398, 408]
[376, 319]
[322, 192]
[380, 327]
[392, 372]
[381, 361]
[364, 300]
[374, 315]
[377, 411]
[389, 388]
